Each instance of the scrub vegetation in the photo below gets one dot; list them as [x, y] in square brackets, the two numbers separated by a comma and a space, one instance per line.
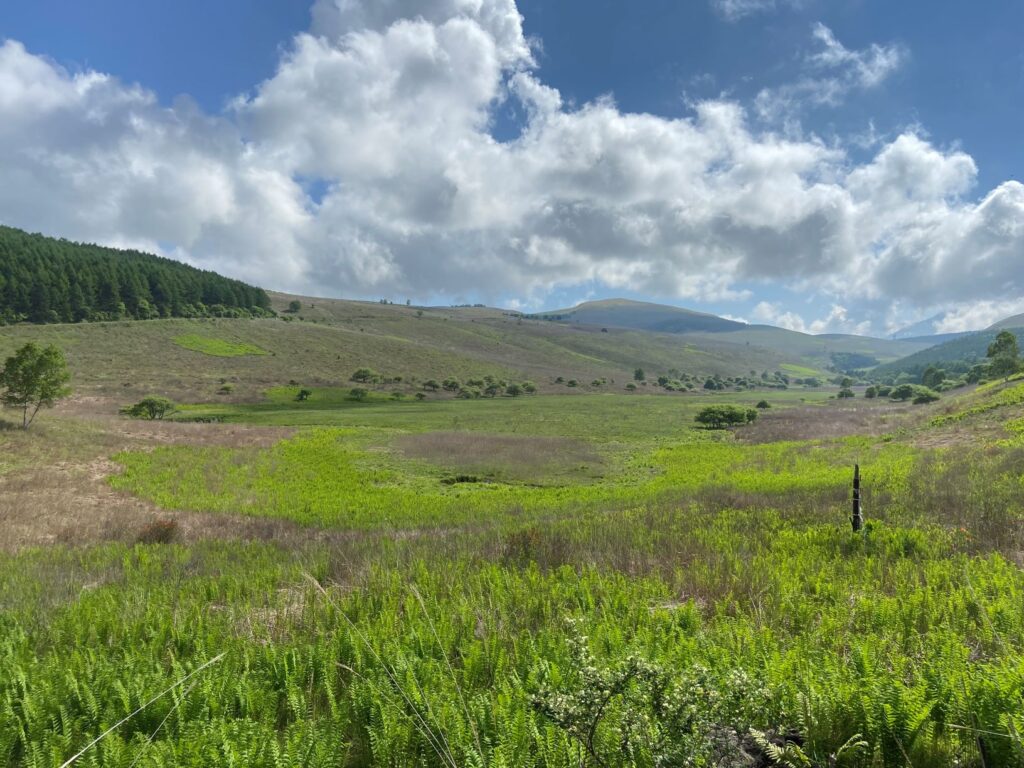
[547, 579]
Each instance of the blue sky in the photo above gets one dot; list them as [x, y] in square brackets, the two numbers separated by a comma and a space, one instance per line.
[888, 133]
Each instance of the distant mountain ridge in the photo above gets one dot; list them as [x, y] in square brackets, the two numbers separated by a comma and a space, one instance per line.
[641, 315]
[704, 327]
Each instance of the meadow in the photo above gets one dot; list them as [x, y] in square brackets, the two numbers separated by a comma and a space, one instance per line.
[549, 580]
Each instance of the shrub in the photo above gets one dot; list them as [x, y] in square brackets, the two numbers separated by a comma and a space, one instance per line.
[303, 395]
[149, 408]
[420, 396]
[364, 375]
[294, 306]
[161, 531]
[572, 383]
[451, 385]
[529, 387]
[358, 393]
[431, 385]
[513, 390]
[631, 387]
[722, 416]
[902, 392]
[925, 397]
[226, 389]
[763, 404]
[845, 392]
[871, 392]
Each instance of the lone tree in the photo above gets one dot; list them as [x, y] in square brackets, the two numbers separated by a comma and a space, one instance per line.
[294, 306]
[638, 375]
[150, 408]
[722, 416]
[1004, 354]
[34, 378]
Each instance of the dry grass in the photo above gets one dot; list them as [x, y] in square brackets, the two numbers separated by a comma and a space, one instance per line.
[53, 487]
[509, 458]
[834, 419]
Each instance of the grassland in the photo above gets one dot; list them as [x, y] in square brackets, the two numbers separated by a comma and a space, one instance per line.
[217, 347]
[550, 580]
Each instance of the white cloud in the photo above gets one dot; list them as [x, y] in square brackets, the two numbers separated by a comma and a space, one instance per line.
[391, 115]
[734, 10]
[833, 71]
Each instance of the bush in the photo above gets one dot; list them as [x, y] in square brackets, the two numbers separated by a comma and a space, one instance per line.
[513, 390]
[420, 396]
[529, 387]
[149, 408]
[431, 385]
[303, 395]
[871, 392]
[158, 532]
[722, 416]
[451, 385]
[925, 397]
[365, 375]
[763, 404]
[358, 393]
[845, 392]
[902, 392]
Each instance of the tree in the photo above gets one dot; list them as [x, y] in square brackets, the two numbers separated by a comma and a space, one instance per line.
[845, 392]
[529, 387]
[902, 392]
[763, 404]
[34, 378]
[451, 385]
[925, 396]
[303, 395]
[294, 306]
[933, 376]
[722, 416]
[1004, 354]
[150, 408]
[431, 385]
[358, 393]
[638, 374]
[364, 375]
[513, 390]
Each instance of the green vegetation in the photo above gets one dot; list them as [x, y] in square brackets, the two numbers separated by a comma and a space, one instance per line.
[45, 280]
[209, 345]
[383, 568]
[33, 378]
[152, 408]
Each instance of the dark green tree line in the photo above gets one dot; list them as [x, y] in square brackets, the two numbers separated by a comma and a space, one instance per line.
[46, 280]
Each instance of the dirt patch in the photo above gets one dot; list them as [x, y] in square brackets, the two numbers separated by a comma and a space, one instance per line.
[505, 458]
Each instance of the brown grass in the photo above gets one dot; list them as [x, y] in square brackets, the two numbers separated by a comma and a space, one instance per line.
[509, 458]
[834, 419]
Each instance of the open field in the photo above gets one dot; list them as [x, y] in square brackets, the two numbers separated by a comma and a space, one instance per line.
[548, 580]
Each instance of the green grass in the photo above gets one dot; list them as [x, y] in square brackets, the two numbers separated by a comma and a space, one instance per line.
[494, 572]
[209, 345]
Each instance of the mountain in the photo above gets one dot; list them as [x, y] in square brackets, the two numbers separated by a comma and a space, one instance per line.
[1016, 321]
[641, 315]
[919, 329]
[820, 351]
[47, 280]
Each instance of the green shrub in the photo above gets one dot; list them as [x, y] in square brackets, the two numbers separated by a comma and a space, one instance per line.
[149, 408]
[722, 416]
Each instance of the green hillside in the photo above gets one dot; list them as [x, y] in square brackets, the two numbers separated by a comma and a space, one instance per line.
[967, 349]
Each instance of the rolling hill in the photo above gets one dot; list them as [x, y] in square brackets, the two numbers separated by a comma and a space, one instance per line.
[702, 328]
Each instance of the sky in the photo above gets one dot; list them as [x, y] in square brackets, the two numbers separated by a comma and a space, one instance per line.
[823, 165]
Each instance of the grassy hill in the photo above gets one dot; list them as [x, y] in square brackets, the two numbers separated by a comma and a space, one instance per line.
[642, 315]
[968, 349]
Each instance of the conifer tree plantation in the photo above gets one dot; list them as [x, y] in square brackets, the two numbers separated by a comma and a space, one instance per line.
[46, 280]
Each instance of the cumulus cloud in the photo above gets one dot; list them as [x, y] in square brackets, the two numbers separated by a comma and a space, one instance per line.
[386, 108]
[833, 70]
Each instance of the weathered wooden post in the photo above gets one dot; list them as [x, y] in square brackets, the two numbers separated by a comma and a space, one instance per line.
[857, 520]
